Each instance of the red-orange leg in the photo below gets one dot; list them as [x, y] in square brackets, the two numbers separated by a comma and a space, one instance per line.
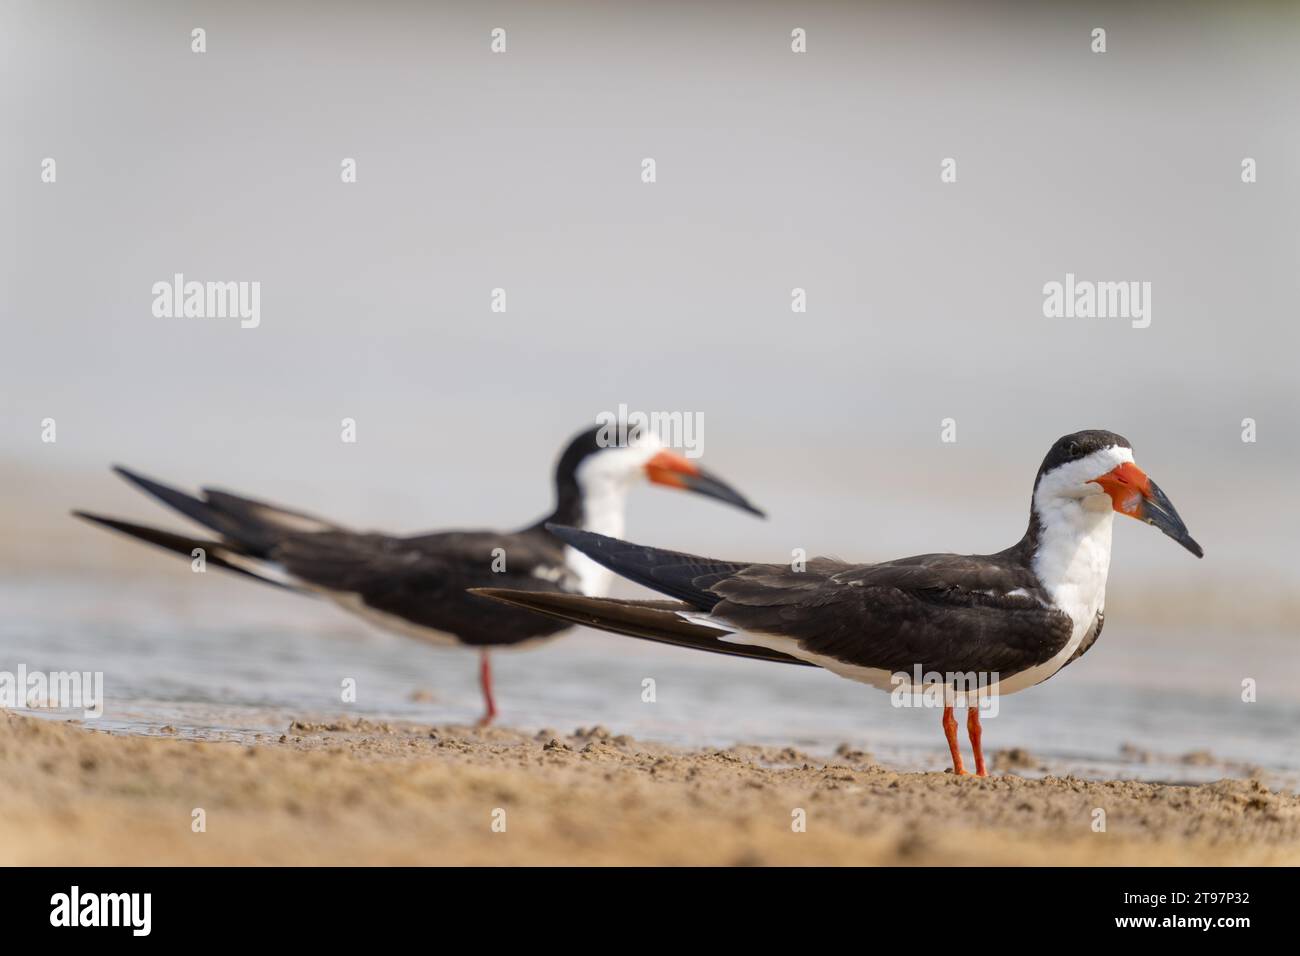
[485, 678]
[975, 732]
[950, 731]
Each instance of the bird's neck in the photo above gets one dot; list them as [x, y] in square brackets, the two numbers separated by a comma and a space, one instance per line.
[1067, 546]
[596, 505]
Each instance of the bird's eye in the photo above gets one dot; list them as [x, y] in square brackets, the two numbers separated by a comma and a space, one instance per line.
[1073, 450]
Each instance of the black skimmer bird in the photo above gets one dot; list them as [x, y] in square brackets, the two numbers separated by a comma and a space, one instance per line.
[971, 626]
[418, 585]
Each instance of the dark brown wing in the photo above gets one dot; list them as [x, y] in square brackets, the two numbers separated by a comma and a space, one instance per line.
[941, 612]
[424, 579]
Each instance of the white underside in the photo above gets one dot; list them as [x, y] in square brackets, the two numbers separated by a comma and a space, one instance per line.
[354, 605]
[876, 677]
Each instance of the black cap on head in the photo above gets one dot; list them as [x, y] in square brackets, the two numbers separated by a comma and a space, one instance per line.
[568, 509]
[661, 466]
[1079, 445]
[592, 440]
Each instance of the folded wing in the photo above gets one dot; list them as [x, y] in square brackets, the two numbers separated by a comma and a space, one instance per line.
[939, 612]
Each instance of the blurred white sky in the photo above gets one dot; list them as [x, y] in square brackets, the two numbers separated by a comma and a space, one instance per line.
[775, 170]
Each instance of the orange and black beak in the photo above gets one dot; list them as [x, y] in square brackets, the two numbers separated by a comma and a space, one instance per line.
[1134, 494]
[671, 469]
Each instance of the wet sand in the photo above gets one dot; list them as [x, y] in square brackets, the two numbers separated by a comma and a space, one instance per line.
[358, 792]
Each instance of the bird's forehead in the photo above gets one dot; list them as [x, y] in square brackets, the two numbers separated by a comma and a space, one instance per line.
[1107, 458]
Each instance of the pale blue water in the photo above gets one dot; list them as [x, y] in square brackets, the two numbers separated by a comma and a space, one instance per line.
[216, 657]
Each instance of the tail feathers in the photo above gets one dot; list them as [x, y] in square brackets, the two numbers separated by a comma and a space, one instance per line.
[659, 621]
[215, 553]
[255, 526]
[686, 577]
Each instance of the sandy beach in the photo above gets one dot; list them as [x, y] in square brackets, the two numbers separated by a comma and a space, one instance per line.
[361, 792]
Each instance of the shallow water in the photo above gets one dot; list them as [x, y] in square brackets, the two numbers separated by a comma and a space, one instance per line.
[213, 657]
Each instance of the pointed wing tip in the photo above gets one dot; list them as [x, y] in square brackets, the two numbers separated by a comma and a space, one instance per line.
[531, 601]
[137, 479]
[501, 595]
[91, 517]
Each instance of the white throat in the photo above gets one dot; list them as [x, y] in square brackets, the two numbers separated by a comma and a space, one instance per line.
[1075, 520]
[604, 480]
[1073, 556]
[602, 512]
[603, 507]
